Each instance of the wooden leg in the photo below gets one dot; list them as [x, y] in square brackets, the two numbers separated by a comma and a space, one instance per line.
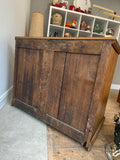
[93, 138]
[118, 99]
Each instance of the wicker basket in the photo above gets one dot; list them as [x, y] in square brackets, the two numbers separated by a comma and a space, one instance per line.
[36, 28]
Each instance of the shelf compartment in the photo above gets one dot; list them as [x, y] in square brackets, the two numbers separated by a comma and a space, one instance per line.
[56, 26]
[102, 25]
[88, 20]
[115, 27]
[98, 35]
[72, 29]
[73, 16]
[62, 12]
[73, 33]
[57, 29]
[85, 34]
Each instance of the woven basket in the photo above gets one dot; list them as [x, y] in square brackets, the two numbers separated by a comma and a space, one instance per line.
[36, 28]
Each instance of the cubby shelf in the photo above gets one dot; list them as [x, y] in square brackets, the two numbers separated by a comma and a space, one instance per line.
[91, 20]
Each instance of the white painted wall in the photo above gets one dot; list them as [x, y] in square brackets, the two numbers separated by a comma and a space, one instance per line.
[14, 19]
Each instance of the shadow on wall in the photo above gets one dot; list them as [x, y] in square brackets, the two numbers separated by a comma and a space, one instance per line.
[11, 55]
[6, 72]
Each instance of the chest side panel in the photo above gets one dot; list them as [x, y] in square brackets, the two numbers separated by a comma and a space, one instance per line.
[33, 72]
[78, 84]
[27, 76]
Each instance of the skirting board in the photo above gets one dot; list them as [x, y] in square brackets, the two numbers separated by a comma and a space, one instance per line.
[115, 86]
[5, 97]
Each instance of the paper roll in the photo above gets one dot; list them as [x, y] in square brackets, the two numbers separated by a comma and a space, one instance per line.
[36, 28]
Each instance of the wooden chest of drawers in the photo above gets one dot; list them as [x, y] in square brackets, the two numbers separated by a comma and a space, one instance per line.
[118, 98]
[65, 82]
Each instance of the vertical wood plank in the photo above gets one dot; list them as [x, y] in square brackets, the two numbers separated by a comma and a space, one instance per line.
[20, 73]
[78, 84]
[55, 83]
[45, 74]
[15, 74]
[118, 98]
[28, 76]
[33, 77]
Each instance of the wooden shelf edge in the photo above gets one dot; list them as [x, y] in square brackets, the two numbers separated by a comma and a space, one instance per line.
[86, 38]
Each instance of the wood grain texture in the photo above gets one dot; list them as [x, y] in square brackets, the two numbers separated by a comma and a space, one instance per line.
[66, 129]
[65, 82]
[118, 98]
[15, 74]
[55, 83]
[61, 147]
[45, 74]
[78, 81]
[102, 87]
[65, 38]
[33, 77]
[28, 77]
[33, 111]
[72, 46]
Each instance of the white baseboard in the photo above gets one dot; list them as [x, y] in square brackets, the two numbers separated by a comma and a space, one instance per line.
[115, 86]
[5, 97]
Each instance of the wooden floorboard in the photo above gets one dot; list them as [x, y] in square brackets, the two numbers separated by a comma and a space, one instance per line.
[61, 147]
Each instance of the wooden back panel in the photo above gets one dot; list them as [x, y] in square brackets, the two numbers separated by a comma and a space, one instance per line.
[33, 73]
[118, 98]
[78, 84]
[65, 82]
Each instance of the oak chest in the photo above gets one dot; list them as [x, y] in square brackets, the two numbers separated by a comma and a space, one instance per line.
[65, 82]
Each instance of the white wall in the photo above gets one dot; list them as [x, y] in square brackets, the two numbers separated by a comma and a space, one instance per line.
[14, 18]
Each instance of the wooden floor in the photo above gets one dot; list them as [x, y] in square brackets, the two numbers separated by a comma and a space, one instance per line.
[60, 147]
